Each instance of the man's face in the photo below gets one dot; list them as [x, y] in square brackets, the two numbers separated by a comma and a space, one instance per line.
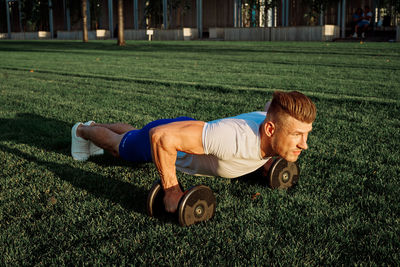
[290, 138]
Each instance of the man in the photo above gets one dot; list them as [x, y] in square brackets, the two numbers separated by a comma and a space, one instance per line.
[229, 147]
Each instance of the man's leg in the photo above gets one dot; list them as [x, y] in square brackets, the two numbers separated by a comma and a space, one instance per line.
[364, 29]
[106, 136]
[119, 128]
[355, 35]
[136, 144]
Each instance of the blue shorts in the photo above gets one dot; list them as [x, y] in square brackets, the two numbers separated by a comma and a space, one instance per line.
[362, 23]
[135, 145]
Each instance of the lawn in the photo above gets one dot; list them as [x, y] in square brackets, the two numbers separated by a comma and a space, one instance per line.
[56, 211]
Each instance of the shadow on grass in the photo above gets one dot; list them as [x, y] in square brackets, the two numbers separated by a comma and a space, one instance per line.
[46, 134]
[77, 47]
[35, 130]
[54, 135]
[127, 195]
[258, 178]
[214, 88]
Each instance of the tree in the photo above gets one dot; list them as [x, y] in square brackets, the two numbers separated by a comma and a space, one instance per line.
[121, 37]
[84, 22]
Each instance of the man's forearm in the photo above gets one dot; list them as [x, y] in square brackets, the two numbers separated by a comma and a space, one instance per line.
[164, 157]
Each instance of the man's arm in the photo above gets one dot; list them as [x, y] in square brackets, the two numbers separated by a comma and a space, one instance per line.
[166, 141]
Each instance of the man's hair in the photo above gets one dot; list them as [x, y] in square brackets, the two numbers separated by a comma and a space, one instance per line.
[294, 104]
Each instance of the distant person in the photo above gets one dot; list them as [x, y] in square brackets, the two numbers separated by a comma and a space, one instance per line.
[364, 23]
[229, 147]
[357, 17]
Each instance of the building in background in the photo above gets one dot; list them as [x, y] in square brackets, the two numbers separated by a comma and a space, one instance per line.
[65, 15]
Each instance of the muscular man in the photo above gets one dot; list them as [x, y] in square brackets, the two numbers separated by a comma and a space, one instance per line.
[229, 147]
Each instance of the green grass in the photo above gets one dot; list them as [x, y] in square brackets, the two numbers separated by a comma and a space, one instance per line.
[55, 211]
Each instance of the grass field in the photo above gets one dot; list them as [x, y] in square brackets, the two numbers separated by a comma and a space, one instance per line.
[55, 211]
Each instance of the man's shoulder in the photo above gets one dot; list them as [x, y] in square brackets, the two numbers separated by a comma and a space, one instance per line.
[256, 116]
[251, 119]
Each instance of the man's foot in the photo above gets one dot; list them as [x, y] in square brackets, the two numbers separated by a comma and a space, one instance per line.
[93, 149]
[355, 35]
[79, 146]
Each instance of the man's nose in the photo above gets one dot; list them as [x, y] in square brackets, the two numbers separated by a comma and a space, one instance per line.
[303, 143]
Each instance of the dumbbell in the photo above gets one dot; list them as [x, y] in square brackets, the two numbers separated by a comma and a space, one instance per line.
[196, 205]
[283, 174]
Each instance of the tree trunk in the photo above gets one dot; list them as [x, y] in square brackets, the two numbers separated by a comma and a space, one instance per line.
[84, 22]
[121, 37]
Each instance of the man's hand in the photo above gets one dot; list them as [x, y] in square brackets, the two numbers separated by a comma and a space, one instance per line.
[172, 198]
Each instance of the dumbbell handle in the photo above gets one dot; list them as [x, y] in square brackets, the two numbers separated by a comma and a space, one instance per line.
[172, 198]
[156, 194]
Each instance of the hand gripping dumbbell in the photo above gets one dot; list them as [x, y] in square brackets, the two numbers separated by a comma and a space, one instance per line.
[196, 205]
[283, 174]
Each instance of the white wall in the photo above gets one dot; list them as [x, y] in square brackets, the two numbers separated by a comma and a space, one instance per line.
[300, 33]
[30, 35]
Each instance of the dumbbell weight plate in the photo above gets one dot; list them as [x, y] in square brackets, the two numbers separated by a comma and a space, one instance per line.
[155, 200]
[197, 205]
[283, 174]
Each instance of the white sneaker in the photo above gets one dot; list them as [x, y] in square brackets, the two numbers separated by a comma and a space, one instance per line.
[355, 35]
[79, 146]
[93, 149]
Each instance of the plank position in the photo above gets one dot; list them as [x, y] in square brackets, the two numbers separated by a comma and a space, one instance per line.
[229, 147]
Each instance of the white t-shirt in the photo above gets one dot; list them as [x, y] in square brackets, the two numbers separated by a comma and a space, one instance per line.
[232, 148]
[369, 14]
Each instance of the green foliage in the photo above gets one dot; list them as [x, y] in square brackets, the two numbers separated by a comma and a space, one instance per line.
[56, 211]
[35, 14]
[3, 17]
[315, 9]
[267, 4]
[154, 10]
[395, 4]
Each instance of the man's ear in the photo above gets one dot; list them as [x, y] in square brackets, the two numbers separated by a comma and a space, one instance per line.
[269, 128]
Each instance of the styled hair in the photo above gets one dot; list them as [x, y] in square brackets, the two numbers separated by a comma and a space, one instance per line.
[294, 104]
